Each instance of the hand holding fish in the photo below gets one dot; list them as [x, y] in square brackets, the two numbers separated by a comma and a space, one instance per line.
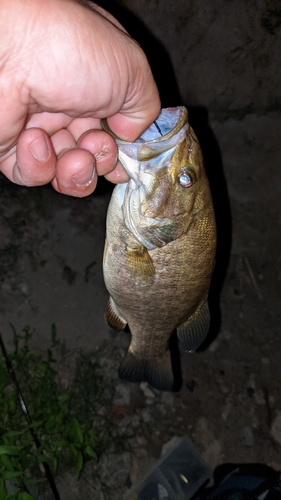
[64, 67]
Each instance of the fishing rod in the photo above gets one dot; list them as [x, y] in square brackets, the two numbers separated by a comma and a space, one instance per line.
[28, 418]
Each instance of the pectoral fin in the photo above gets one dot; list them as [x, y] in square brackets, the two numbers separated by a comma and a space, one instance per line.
[157, 373]
[112, 317]
[139, 262]
[194, 331]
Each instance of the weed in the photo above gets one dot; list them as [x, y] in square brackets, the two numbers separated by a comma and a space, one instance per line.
[62, 419]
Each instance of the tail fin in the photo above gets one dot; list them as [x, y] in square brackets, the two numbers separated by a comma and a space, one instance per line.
[157, 373]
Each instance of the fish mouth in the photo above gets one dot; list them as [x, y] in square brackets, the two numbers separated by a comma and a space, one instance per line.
[151, 151]
[167, 124]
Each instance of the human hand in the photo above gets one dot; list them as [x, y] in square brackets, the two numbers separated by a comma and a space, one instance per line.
[63, 68]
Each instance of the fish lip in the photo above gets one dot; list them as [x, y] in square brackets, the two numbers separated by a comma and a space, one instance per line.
[181, 121]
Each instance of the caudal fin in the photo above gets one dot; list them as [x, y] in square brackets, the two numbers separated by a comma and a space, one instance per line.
[157, 373]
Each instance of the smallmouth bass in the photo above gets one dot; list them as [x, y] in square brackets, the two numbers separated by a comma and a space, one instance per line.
[160, 248]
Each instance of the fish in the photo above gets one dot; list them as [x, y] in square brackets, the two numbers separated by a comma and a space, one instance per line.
[160, 248]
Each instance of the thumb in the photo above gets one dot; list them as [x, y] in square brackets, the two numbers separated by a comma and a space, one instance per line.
[129, 128]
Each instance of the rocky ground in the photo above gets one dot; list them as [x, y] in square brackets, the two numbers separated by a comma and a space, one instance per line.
[229, 402]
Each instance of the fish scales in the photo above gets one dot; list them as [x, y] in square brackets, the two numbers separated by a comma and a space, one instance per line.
[160, 248]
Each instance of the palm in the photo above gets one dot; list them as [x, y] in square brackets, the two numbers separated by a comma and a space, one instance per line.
[84, 68]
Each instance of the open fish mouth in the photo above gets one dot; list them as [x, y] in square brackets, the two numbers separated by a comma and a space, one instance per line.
[155, 146]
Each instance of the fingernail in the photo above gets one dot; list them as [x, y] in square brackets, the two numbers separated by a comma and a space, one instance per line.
[40, 149]
[85, 177]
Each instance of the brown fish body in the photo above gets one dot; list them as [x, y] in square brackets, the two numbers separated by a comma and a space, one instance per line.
[155, 290]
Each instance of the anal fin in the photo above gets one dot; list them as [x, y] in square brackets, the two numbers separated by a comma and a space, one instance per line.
[157, 373]
[194, 331]
[112, 317]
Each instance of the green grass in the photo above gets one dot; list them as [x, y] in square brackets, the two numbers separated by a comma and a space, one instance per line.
[69, 422]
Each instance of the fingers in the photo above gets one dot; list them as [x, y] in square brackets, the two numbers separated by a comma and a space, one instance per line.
[71, 167]
[76, 173]
[78, 168]
[118, 175]
[33, 161]
[103, 148]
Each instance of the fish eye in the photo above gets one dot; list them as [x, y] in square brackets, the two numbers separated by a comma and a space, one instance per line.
[185, 178]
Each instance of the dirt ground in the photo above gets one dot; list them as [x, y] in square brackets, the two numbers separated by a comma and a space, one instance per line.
[229, 402]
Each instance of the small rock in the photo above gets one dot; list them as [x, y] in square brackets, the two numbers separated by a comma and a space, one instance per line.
[227, 363]
[212, 455]
[202, 432]
[259, 397]
[168, 399]
[247, 436]
[226, 410]
[141, 440]
[145, 416]
[114, 469]
[122, 395]
[275, 465]
[145, 389]
[135, 422]
[271, 400]
[276, 428]
[24, 288]
[149, 401]
[6, 287]
[226, 334]
[140, 452]
[223, 389]
[214, 346]
[139, 466]
[265, 361]
[169, 445]
[252, 381]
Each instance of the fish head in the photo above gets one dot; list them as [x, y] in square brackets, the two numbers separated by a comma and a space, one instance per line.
[173, 191]
[168, 181]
